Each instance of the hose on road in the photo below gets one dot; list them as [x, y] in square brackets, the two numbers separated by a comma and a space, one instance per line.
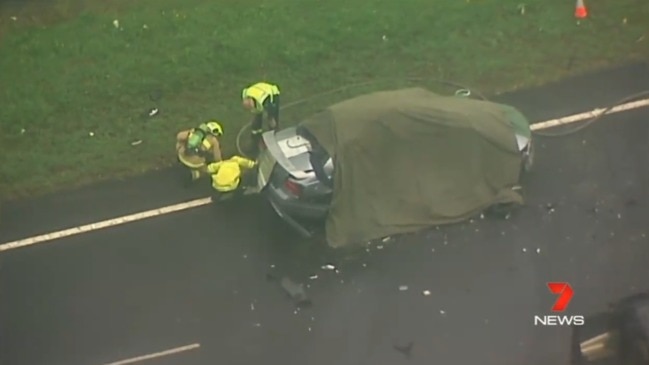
[461, 91]
[594, 119]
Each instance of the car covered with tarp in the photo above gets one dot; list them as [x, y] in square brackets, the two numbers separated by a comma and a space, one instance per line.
[396, 161]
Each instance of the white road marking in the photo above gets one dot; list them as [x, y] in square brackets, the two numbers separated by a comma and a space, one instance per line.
[104, 224]
[204, 201]
[155, 355]
[589, 115]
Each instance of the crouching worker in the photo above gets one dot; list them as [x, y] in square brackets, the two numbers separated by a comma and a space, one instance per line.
[199, 146]
[230, 178]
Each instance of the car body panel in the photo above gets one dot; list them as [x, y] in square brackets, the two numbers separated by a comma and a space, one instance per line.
[617, 336]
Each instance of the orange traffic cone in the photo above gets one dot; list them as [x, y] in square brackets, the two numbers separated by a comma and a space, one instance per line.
[580, 10]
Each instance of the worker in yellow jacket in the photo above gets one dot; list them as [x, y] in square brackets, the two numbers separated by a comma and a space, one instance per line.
[261, 98]
[231, 177]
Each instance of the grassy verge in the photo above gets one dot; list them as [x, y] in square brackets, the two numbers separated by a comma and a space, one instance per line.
[68, 71]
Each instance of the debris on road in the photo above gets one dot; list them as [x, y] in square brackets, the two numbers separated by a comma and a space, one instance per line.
[549, 207]
[296, 292]
[155, 95]
[406, 350]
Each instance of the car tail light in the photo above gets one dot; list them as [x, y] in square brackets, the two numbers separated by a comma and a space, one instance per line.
[293, 187]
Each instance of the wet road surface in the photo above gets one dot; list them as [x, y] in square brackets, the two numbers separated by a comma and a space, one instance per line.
[205, 275]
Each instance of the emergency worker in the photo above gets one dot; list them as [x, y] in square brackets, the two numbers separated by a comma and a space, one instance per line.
[231, 177]
[197, 147]
[261, 98]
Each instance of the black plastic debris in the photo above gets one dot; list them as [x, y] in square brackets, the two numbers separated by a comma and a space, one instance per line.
[155, 95]
[406, 349]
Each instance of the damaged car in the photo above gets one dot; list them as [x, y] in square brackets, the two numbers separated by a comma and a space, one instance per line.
[374, 141]
[619, 335]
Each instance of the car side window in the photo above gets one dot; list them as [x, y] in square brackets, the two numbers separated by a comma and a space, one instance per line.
[317, 156]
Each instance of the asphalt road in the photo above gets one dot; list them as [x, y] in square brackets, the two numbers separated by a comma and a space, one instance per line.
[202, 276]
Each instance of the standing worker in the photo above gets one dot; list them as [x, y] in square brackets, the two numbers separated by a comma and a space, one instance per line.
[261, 98]
[197, 147]
[231, 177]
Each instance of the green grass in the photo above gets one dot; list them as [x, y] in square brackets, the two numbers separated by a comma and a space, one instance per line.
[67, 71]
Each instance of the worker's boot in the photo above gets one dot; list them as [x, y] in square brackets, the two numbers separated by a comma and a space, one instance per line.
[191, 178]
[195, 175]
[215, 196]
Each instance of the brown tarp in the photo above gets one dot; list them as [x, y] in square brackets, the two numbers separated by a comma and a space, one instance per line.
[409, 159]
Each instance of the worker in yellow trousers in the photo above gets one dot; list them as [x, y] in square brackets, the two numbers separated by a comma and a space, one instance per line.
[231, 177]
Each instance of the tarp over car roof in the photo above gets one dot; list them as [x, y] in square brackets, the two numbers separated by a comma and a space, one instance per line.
[409, 159]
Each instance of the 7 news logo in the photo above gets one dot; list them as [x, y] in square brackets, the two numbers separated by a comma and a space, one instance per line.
[565, 293]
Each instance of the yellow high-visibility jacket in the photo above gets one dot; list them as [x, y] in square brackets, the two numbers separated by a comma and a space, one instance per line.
[260, 92]
[226, 175]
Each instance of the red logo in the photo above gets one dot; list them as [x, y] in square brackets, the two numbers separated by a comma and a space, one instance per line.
[565, 293]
